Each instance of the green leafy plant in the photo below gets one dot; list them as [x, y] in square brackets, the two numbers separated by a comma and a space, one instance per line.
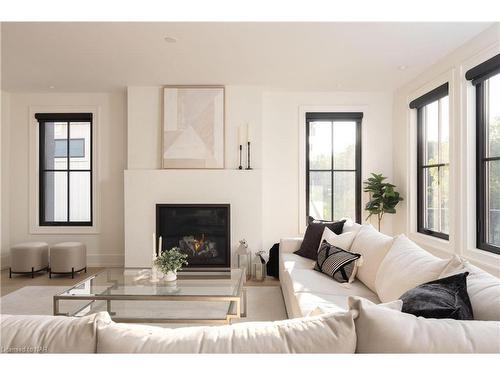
[383, 197]
[171, 260]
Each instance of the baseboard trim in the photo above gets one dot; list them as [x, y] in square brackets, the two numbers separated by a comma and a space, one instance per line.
[93, 260]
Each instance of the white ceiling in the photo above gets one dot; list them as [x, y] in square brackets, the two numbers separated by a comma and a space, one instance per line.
[307, 56]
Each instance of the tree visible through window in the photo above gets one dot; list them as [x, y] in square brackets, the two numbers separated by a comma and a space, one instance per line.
[65, 169]
[333, 165]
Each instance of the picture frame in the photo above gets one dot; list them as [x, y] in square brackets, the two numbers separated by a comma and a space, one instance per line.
[193, 127]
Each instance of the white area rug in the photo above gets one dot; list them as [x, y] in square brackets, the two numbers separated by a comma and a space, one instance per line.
[264, 304]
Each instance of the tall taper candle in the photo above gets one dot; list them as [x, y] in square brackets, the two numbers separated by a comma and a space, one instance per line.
[249, 133]
[159, 247]
[154, 245]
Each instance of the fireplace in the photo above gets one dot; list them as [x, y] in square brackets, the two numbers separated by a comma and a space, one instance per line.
[202, 231]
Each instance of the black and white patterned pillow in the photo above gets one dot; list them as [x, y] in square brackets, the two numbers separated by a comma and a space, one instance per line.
[336, 262]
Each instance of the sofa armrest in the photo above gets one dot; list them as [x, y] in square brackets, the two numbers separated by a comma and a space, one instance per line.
[291, 244]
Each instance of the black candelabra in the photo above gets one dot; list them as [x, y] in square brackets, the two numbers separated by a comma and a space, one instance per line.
[241, 151]
[248, 156]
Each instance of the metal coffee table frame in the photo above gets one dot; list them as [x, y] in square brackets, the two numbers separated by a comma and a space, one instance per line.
[235, 310]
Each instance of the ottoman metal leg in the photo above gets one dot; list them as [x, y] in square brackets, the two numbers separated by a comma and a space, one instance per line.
[72, 272]
[10, 273]
[32, 272]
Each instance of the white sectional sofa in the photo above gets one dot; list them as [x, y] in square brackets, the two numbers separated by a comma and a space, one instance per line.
[391, 267]
[326, 316]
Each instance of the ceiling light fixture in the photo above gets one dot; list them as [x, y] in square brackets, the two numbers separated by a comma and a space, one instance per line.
[170, 39]
[402, 67]
[52, 87]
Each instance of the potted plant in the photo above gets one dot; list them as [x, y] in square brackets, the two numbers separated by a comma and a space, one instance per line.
[170, 261]
[383, 197]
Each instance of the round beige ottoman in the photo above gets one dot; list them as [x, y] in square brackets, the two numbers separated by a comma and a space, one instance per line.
[28, 258]
[68, 258]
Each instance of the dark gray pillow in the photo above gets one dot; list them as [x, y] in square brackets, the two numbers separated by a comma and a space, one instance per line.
[441, 299]
[312, 237]
[336, 262]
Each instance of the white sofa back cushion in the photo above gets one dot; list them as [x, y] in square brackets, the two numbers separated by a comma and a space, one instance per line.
[406, 266]
[483, 289]
[373, 246]
[49, 334]
[382, 330]
[332, 333]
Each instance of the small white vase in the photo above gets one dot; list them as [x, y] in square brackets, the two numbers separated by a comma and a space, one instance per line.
[170, 276]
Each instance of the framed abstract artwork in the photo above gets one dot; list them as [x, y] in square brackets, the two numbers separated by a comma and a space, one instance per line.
[193, 127]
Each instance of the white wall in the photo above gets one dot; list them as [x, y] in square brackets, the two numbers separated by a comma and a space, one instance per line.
[5, 169]
[283, 187]
[104, 248]
[462, 220]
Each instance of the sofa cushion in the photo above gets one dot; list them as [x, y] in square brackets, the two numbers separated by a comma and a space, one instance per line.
[294, 261]
[312, 237]
[373, 246]
[483, 289]
[382, 330]
[406, 266]
[331, 333]
[320, 303]
[314, 282]
[337, 263]
[49, 334]
[442, 298]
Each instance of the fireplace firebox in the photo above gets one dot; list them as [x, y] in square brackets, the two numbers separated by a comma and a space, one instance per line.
[202, 231]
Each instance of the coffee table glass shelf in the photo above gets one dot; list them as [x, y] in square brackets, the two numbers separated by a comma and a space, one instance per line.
[129, 296]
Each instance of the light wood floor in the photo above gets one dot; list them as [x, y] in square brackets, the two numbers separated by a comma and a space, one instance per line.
[41, 279]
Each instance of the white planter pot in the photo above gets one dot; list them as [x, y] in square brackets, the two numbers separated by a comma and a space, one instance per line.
[170, 276]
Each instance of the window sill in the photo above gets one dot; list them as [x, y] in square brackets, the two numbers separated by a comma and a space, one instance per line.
[64, 230]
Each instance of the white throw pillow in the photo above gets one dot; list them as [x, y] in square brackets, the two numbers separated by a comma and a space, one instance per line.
[483, 289]
[350, 226]
[382, 330]
[343, 241]
[49, 334]
[373, 246]
[406, 266]
[332, 333]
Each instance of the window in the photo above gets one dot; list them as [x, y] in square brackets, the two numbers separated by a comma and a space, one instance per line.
[65, 169]
[486, 79]
[333, 165]
[433, 165]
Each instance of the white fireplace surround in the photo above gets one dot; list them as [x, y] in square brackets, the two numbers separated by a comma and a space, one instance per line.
[145, 188]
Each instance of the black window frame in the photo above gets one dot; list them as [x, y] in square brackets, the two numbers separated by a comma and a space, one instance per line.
[419, 104]
[42, 119]
[337, 116]
[479, 75]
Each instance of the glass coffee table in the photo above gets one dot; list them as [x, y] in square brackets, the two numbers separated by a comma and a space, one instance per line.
[129, 296]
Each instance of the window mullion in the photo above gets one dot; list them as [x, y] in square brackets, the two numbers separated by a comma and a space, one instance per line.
[332, 173]
[68, 169]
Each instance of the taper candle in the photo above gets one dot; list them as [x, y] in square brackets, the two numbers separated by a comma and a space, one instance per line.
[159, 247]
[154, 245]
[249, 132]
